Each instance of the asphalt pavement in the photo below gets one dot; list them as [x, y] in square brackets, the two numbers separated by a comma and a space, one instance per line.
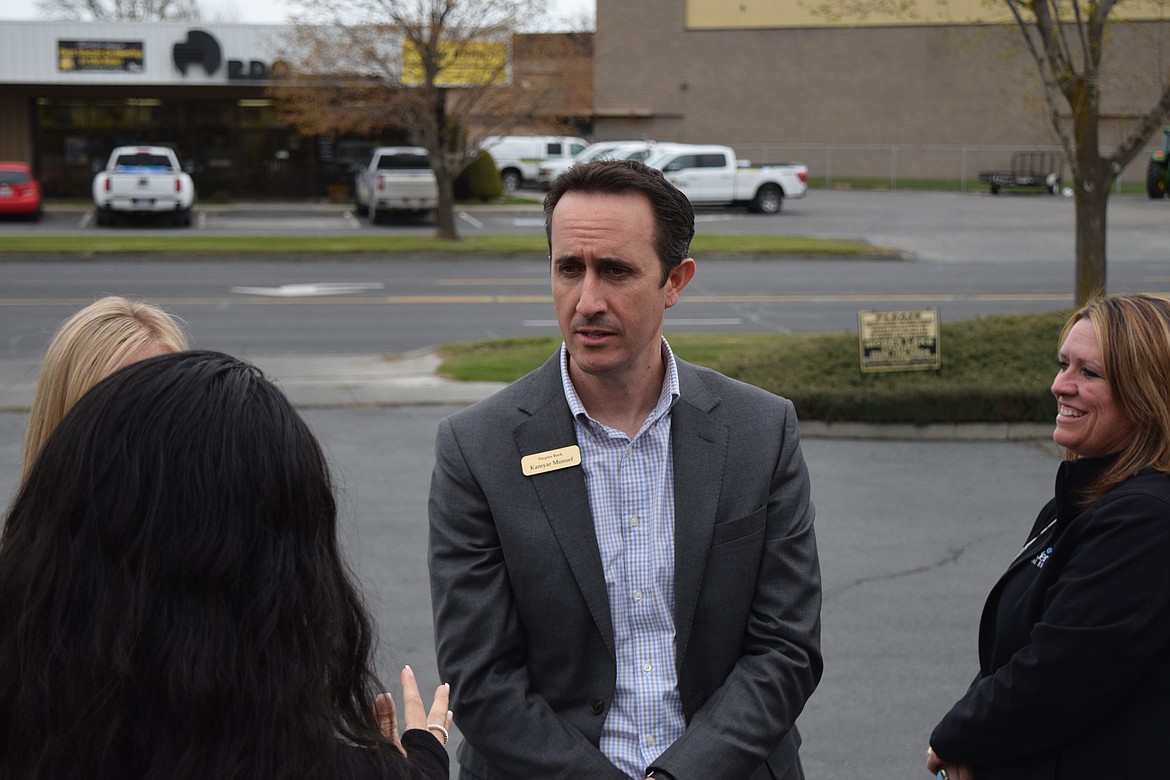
[913, 529]
[914, 525]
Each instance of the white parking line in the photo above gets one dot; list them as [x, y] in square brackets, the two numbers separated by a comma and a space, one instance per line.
[475, 223]
[310, 290]
[86, 218]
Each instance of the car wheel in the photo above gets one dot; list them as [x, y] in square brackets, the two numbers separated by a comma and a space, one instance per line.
[182, 217]
[1156, 180]
[769, 200]
[376, 216]
[102, 217]
[511, 180]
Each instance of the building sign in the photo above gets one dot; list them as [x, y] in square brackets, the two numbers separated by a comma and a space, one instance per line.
[899, 340]
[106, 56]
[202, 50]
[463, 64]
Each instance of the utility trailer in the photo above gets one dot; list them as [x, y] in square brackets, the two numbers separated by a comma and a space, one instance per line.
[1028, 169]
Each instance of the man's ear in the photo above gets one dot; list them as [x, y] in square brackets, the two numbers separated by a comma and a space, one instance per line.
[678, 278]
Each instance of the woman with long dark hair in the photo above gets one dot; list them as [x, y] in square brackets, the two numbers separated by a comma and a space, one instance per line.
[174, 603]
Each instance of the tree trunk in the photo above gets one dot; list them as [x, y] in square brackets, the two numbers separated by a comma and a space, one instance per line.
[1092, 202]
[1093, 178]
[445, 213]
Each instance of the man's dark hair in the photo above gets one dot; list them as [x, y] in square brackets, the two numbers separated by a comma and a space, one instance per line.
[674, 217]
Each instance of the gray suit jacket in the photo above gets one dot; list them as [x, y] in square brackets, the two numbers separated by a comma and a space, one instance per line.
[522, 620]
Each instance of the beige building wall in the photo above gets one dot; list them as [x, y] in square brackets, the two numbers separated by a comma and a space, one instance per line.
[792, 92]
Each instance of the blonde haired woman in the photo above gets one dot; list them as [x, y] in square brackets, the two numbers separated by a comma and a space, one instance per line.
[110, 333]
[1074, 644]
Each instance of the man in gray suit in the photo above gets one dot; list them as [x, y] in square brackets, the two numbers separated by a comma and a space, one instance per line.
[623, 568]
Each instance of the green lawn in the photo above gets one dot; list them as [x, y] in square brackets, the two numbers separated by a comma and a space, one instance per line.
[994, 369]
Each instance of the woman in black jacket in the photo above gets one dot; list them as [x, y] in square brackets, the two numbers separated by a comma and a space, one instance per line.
[174, 604]
[1074, 643]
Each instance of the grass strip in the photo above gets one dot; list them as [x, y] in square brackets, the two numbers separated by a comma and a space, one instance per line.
[994, 369]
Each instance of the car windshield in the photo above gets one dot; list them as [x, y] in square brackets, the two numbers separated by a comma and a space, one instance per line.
[143, 160]
[400, 161]
[594, 153]
[658, 157]
[634, 153]
[13, 177]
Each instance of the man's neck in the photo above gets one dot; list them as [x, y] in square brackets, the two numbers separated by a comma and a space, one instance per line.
[622, 402]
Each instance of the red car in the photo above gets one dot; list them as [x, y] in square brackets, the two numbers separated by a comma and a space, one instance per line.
[20, 193]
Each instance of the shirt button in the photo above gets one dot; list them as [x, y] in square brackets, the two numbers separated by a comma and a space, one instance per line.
[634, 521]
[647, 667]
[651, 740]
[637, 595]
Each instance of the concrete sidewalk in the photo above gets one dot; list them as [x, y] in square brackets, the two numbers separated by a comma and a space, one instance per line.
[409, 379]
[311, 381]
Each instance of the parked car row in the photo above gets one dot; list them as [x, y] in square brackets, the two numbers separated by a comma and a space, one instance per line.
[708, 174]
[149, 181]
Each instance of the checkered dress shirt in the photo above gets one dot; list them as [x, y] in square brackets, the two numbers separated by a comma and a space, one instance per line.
[631, 497]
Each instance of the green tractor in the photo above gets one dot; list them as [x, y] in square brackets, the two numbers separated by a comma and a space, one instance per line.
[1158, 172]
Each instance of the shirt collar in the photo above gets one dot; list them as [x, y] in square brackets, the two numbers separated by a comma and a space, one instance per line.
[667, 398]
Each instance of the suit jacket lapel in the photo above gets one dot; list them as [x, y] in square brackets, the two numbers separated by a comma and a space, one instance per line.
[699, 446]
[563, 494]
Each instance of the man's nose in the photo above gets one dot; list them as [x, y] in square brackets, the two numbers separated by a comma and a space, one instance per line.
[592, 298]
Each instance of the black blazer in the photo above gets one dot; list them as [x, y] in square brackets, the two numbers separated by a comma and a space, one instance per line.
[1074, 643]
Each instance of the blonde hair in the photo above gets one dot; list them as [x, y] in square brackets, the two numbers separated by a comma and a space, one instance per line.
[1133, 332]
[87, 348]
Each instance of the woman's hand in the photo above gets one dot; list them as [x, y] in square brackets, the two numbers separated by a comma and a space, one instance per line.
[437, 721]
[936, 765]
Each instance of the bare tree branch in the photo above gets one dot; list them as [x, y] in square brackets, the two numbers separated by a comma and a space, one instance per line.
[444, 72]
[120, 10]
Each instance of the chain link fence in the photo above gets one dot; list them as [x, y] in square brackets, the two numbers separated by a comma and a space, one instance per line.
[876, 163]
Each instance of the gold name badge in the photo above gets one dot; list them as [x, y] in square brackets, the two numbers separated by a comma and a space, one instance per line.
[551, 460]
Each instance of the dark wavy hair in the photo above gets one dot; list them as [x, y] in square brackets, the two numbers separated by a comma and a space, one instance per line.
[173, 601]
[674, 217]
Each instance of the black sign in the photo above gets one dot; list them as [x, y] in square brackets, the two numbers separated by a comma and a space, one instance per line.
[200, 48]
[89, 56]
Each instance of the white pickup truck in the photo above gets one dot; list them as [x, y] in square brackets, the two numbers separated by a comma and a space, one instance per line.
[396, 179]
[711, 175]
[143, 180]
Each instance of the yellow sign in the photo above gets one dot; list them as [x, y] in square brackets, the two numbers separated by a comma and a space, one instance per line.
[899, 340]
[78, 56]
[771, 14]
[461, 64]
